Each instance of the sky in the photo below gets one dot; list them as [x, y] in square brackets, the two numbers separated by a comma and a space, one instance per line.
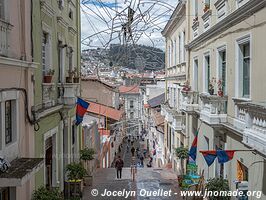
[102, 22]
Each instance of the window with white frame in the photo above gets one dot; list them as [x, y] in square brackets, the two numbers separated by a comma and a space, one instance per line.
[207, 2]
[221, 9]
[240, 3]
[70, 58]
[222, 68]
[46, 52]
[179, 48]
[131, 104]
[183, 46]
[195, 74]
[244, 69]
[207, 72]
[175, 53]
[169, 56]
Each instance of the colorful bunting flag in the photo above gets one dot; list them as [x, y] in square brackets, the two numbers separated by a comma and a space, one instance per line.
[222, 155]
[193, 148]
[209, 156]
[225, 155]
[81, 109]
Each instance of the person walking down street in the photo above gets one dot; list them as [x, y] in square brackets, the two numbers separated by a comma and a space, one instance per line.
[141, 160]
[119, 164]
[127, 147]
[132, 151]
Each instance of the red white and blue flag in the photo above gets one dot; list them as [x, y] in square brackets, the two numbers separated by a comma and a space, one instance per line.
[81, 109]
[193, 148]
[222, 155]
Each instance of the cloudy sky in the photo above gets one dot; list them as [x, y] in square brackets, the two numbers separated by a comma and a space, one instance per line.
[105, 22]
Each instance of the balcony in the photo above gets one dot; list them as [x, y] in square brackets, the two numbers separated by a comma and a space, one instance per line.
[213, 109]
[4, 31]
[68, 93]
[47, 95]
[255, 120]
[178, 121]
[190, 101]
[177, 72]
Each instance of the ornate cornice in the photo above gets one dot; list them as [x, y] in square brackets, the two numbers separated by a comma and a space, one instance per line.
[234, 18]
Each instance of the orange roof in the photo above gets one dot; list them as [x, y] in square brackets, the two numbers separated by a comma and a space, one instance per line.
[129, 89]
[105, 111]
[146, 106]
[103, 131]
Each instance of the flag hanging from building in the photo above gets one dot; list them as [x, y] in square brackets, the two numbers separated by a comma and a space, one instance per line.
[81, 109]
[222, 155]
[225, 155]
[193, 148]
[209, 156]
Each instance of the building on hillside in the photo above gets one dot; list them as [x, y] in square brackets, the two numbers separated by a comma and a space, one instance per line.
[93, 89]
[16, 99]
[132, 101]
[56, 46]
[176, 67]
[227, 58]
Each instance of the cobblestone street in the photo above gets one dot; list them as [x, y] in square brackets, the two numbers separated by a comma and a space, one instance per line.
[149, 179]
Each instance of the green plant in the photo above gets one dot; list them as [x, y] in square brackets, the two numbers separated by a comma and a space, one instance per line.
[43, 193]
[75, 171]
[87, 154]
[217, 184]
[182, 152]
[50, 72]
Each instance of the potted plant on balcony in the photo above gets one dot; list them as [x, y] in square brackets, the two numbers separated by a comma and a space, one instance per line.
[220, 88]
[47, 78]
[69, 78]
[211, 86]
[186, 87]
[74, 184]
[206, 7]
[76, 75]
[87, 155]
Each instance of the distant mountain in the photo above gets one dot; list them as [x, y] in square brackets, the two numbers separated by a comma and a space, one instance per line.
[139, 57]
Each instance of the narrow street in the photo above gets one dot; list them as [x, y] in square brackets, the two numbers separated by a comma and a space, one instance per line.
[147, 179]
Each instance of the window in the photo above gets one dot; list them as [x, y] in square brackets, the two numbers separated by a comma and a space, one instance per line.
[175, 54]
[196, 7]
[195, 74]
[244, 69]
[169, 56]
[179, 48]
[131, 104]
[2, 9]
[46, 43]
[132, 115]
[207, 73]
[60, 62]
[183, 46]
[222, 69]
[70, 58]
[207, 2]
[8, 122]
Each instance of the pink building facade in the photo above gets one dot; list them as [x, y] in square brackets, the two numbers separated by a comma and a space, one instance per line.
[16, 99]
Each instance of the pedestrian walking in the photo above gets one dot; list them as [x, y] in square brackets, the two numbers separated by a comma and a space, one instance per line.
[127, 148]
[132, 151]
[141, 160]
[119, 164]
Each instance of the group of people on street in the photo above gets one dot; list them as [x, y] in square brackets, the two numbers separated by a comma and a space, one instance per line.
[119, 163]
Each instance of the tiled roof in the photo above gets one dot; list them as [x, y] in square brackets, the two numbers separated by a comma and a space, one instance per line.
[129, 89]
[156, 101]
[105, 111]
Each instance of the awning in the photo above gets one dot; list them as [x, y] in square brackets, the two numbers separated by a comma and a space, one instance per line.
[21, 170]
[105, 111]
